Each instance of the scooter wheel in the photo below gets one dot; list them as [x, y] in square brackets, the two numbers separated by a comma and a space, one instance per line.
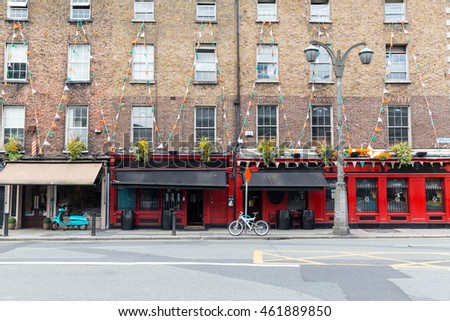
[54, 226]
[82, 227]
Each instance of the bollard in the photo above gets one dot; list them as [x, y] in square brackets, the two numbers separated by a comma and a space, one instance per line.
[93, 215]
[174, 223]
[5, 224]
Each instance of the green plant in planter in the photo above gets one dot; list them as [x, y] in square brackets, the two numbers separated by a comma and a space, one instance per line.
[326, 152]
[12, 147]
[267, 148]
[46, 220]
[204, 146]
[76, 148]
[141, 150]
[12, 220]
[404, 154]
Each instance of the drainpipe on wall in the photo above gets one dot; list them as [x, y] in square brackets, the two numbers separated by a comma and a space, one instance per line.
[237, 104]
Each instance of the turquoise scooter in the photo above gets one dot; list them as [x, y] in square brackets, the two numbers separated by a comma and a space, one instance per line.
[64, 220]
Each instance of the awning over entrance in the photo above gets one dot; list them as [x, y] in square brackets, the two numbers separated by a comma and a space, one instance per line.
[287, 180]
[49, 173]
[193, 179]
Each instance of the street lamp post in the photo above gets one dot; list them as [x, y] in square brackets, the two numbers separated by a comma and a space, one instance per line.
[340, 226]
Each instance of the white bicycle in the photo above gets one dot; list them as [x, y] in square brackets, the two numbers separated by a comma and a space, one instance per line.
[245, 221]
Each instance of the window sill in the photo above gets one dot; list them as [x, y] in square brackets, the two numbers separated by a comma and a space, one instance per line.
[74, 82]
[79, 20]
[321, 21]
[322, 82]
[15, 81]
[265, 21]
[267, 81]
[196, 82]
[395, 22]
[17, 20]
[405, 82]
[206, 21]
[143, 21]
[142, 82]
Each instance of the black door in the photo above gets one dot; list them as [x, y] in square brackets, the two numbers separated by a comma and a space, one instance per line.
[195, 207]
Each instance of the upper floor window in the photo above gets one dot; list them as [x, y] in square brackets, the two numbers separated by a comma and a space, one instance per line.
[144, 10]
[394, 11]
[205, 64]
[77, 124]
[321, 129]
[16, 62]
[13, 123]
[17, 10]
[267, 10]
[267, 122]
[396, 63]
[79, 63]
[320, 10]
[267, 62]
[205, 123]
[142, 124]
[206, 10]
[398, 124]
[320, 70]
[143, 63]
[80, 9]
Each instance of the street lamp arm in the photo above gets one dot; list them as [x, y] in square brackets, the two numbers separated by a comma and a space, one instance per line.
[324, 46]
[344, 58]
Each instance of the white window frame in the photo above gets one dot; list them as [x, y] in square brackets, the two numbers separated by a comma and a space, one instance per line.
[144, 14]
[17, 124]
[258, 137]
[267, 10]
[203, 127]
[206, 4]
[73, 131]
[402, 126]
[267, 61]
[394, 11]
[134, 111]
[15, 53]
[143, 61]
[394, 67]
[80, 5]
[316, 139]
[205, 67]
[320, 12]
[76, 65]
[323, 59]
[18, 7]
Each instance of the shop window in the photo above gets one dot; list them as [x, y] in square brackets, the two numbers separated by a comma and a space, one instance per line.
[366, 195]
[434, 195]
[126, 199]
[397, 195]
[150, 199]
[296, 200]
[330, 194]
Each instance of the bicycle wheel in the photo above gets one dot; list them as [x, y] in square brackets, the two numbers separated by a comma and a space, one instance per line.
[235, 228]
[261, 228]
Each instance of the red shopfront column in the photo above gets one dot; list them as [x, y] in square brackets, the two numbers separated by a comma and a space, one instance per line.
[382, 200]
[351, 197]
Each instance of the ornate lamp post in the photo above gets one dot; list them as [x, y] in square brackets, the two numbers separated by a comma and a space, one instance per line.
[340, 226]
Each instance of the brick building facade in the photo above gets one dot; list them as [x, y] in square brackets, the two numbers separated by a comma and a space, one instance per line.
[231, 70]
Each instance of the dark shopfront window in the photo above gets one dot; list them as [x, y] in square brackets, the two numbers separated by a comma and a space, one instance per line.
[434, 194]
[81, 198]
[330, 194]
[366, 195]
[126, 198]
[150, 199]
[397, 195]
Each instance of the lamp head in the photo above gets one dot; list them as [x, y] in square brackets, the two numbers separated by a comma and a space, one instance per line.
[365, 55]
[311, 53]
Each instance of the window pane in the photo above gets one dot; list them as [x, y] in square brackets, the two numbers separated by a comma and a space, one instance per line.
[126, 198]
[14, 122]
[366, 195]
[150, 199]
[205, 65]
[205, 123]
[267, 56]
[267, 10]
[142, 124]
[267, 122]
[321, 124]
[77, 124]
[434, 195]
[397, 195]
[398, 124]
[330, 194]
[79, 62]
[143, 63]
[143, 10]
[206, 12]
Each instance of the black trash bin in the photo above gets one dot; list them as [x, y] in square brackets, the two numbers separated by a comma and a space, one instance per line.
[308, 220]
[284, 220]
[166, 220]
[127, 220]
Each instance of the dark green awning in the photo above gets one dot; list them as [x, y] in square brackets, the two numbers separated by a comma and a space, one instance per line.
[287, 180]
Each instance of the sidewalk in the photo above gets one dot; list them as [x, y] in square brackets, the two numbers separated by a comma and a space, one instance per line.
[30, 234]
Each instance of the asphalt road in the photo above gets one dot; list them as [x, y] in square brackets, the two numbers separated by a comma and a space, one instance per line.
[202, 270]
